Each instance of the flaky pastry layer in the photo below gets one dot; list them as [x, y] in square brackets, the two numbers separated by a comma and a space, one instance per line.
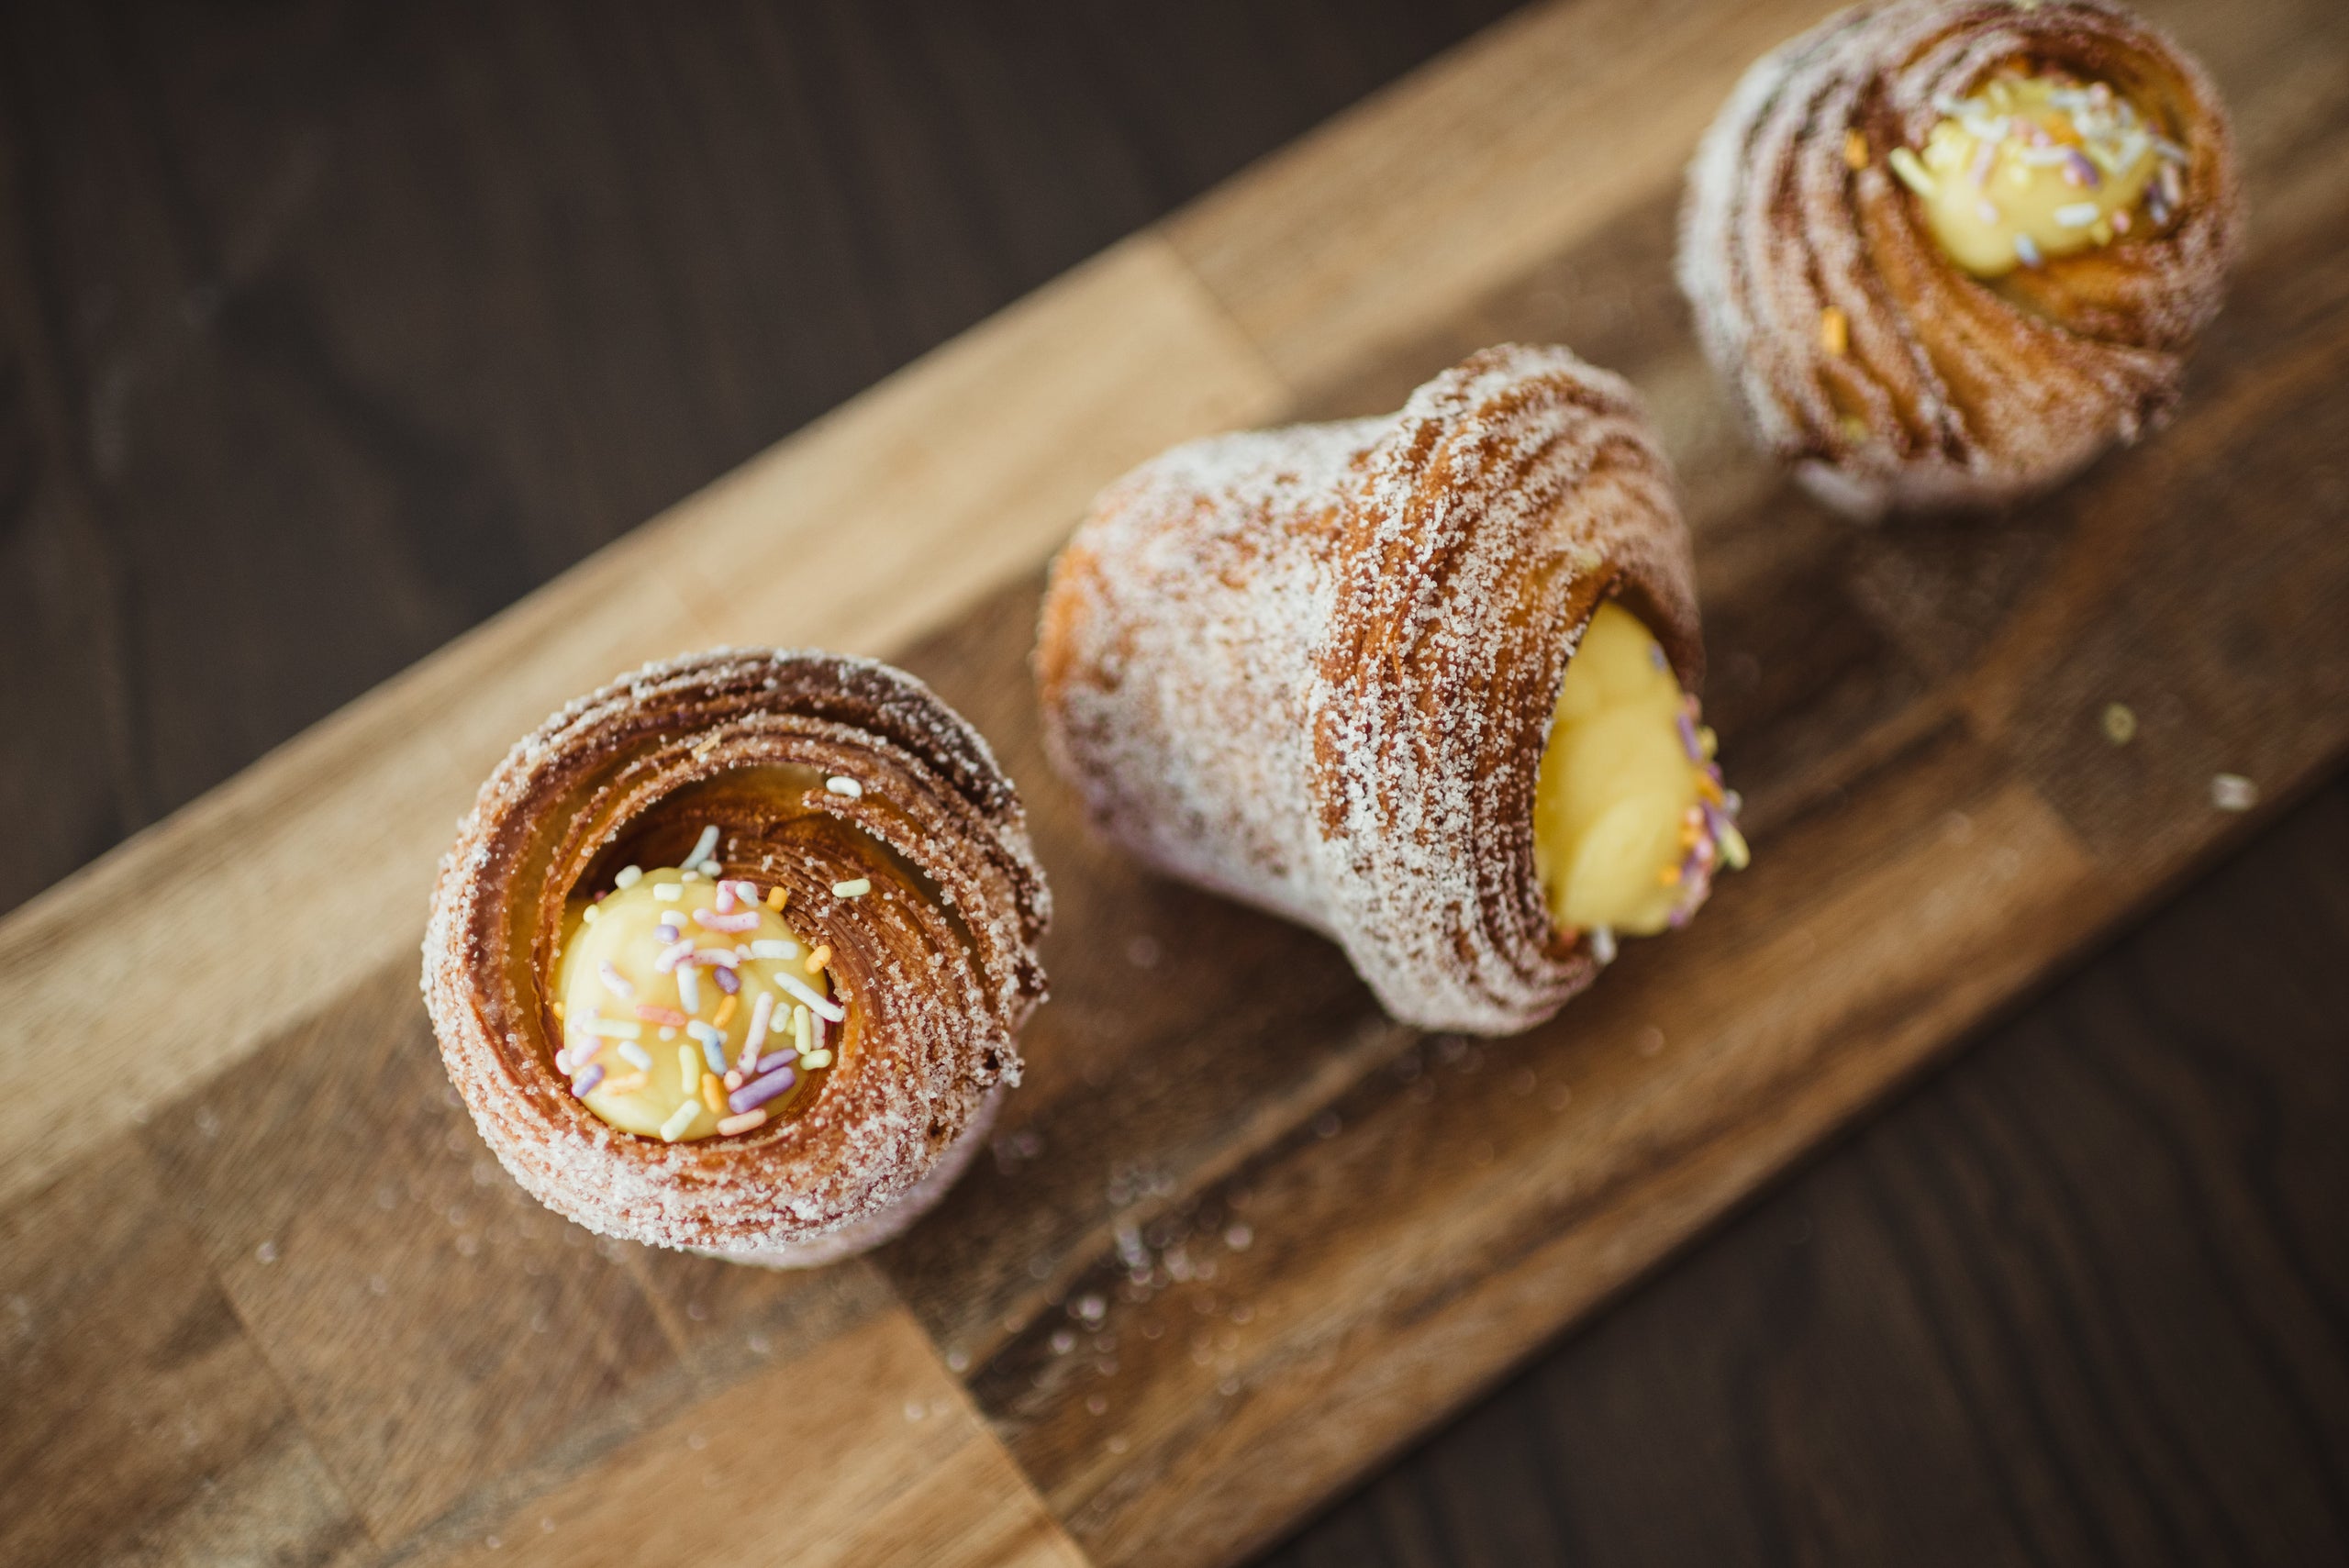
[1314, 668]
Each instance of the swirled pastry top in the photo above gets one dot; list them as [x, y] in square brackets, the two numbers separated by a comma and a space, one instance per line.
[1916, 290]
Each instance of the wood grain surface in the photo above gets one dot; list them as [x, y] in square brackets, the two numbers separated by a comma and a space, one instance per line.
[1241, 1236]
[2077, 1300]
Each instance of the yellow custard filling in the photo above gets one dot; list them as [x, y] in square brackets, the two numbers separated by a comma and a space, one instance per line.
[689, 1006]
[2032, 167]
[1628, 817]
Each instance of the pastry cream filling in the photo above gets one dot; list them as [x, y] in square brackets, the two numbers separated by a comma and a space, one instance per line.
[2036, 166]
[689, 1006]
[1628, 818]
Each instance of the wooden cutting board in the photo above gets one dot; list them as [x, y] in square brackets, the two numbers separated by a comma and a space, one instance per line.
[263, 1294]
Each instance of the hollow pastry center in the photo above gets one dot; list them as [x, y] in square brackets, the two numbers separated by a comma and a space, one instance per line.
[690, 1007]
[2035, 166]
[1629, 816]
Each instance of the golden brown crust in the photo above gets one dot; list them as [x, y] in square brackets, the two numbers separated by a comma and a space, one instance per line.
[937, 964]
[1951, 390]
[1315, 668]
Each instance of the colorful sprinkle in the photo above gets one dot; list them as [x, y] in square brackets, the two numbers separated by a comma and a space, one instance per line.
[802, 1030]
[590, 914]
[743, 1123]
[1834, 332]
[725, 1014]
[774, 1059]
[775, 897]
[680, 1120]
[713, 1052]
[747, 920]
[712, 1097]
[629, 877]
[635, 1055]
[762, 1013]
[1855, 151]
[848, 789]
[626, 1084]
[2078, 214]
[816, 1001]
[655, 1015]
[856, 887]
[1602, 943]
[688, 988]
[587, 1080]
[817, 1059]
[615, 982]
[714, 958]
[759, 1091]
[1985, 158]
[1910, 171]
[675, 953]
[668, 892]
[2027, 251]
[820, 957]
[703, 845]
[775, 947]
[727, 982]
[611, 1029]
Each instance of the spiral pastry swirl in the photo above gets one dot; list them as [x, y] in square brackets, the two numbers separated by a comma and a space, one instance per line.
[1314, 668]
[1857, 347]
[819, 774]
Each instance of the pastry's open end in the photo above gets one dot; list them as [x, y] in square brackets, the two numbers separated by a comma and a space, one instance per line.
[839, 791]
[1629, 817]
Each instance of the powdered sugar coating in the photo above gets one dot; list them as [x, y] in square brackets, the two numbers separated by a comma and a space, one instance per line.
[939, 966]
[1951, 390]
[1314, 668]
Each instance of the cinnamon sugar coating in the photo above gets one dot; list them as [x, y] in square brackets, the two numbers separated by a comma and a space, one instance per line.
[937, 964]
[1314, 668]
[1857, 350]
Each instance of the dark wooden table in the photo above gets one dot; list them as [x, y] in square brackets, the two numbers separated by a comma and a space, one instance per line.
[326, 332]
